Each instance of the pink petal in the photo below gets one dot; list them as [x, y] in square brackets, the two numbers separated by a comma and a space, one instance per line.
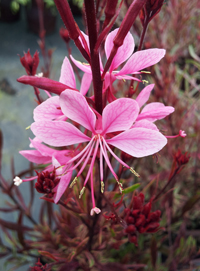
[123, 52]
[85, 83]
[145, 124]
[48, 110]
[143, 97]
[119, 115]
[139, 142]
[75, 107]
[67, 76]
[141, 60]
[58, 133]
[61, 187]
[44, 150]
[36, 157]
[155, 111]
[85, 67]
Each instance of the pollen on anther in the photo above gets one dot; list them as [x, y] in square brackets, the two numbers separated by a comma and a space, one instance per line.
[82, 191]
[73, 182]
[134, 172]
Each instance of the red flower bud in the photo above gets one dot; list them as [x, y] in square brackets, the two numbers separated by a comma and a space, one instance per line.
[130, 220]
[130, 229]
[64, 33]
[133, 239]
[140, 221]
[30, 63]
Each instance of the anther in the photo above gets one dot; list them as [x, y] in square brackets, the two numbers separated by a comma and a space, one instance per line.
[73, 182]
[82, 191]
[145, 81]
[102, 186]
[120, 186]
[134, 172]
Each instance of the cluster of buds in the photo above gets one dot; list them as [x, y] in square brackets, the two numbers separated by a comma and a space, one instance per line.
[39, 267]
[30, 63]
[46, 182]
[140, 219]
[181, 158]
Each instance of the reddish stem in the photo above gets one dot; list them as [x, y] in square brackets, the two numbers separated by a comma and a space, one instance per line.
[95, 65]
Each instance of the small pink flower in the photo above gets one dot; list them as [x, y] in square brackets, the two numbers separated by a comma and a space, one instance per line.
[135, 62]
[117, 116]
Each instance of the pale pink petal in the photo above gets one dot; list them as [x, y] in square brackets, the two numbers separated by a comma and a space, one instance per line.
[67, 76]
[153, 113]
[36, 157]
[123, 52]
[119, 115]
[141, 60]
[127, 77]
[86, 39]
[85, 83]
[44, 150]
[48, 110]
[58, 133]
[152, 106]
[143, 97]
[35, 139]
[62, 186]
[145, 124]
[75, 107]
[85, 67]
[139, 142]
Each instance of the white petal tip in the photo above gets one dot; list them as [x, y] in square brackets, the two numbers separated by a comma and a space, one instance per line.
[95, 210]
[17, 181]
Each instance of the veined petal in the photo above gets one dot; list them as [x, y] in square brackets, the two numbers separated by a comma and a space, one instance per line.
[84, 67]
[75, 107]
[85, 83]
[58, 133]
[44, 150]
[139, 142]
[67, 76]
[123, 52]
[35, 157]
[141, 60]
[145, 124]
[61, 187]
[119, 115]
[155, 111]
[143, 97]
[48, 110]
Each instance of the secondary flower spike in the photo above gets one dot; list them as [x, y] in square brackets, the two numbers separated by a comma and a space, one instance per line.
[117, 116]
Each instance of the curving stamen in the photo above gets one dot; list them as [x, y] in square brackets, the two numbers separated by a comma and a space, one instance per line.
[73, 182]
[92, 162]
[81, 153]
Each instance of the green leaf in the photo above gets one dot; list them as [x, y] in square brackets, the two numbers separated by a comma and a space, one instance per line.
[127, 190]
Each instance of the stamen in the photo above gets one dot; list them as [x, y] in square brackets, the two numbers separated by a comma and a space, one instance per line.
[120, 186]
[73, 182]
[92, 162]
[116, 157]
[134, 172]
[82, 191]
[107, 160]
[86, 160]
[80, 153]
[145, 81]
[102, 186]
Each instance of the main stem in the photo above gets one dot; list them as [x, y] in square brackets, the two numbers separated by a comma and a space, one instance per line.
[95, 65]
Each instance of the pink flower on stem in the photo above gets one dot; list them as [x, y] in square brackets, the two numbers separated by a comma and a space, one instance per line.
[135, 62]
[117, 116]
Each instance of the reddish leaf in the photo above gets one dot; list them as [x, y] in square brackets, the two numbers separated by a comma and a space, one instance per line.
[14, 226]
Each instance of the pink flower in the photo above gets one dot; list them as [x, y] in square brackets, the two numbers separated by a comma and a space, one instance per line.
[135, 62]
[117, 116]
